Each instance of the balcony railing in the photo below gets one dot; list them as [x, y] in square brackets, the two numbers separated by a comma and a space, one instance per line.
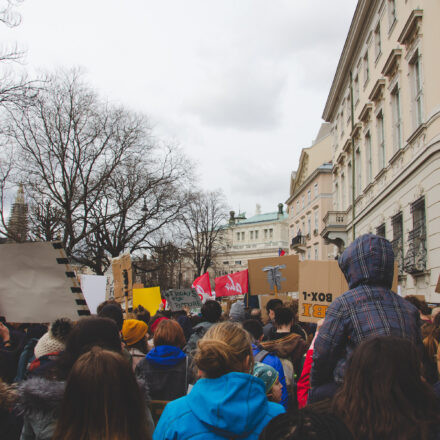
[415, 258]
[298, 240]
[335, 218]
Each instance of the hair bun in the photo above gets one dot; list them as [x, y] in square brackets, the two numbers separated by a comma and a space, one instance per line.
[61, 328]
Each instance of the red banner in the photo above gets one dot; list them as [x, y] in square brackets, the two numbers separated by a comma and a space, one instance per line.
[203, 286]
[232, 284]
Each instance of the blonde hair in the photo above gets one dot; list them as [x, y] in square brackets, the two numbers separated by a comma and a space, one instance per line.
[224, 349]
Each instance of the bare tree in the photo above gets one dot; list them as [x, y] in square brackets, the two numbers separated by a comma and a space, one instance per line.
[202, 229]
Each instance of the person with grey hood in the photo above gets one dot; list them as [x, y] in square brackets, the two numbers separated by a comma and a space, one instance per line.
[211, 313]
[237, 312]
[369, 308]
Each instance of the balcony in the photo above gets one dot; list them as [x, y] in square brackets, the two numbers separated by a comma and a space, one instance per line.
[415, 258]
[334, 231]
[298, 244]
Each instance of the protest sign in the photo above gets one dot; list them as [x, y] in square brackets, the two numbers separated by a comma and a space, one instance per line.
[179, 298]
[320, 283]
[273, 275]
[119, 265]
[437, 289]
[93, 287]
[148, 297]
[37, 284]
[232, 284]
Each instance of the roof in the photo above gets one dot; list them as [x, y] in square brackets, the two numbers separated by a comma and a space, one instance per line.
[267, 217]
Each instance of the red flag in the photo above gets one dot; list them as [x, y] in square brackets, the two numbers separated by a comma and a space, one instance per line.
[202, 285]
[232, 284]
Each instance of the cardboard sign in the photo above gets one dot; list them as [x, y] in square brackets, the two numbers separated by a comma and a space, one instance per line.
[93, 287]
[273, 275]
[437, 289]
[320, 283]
[180, 298]
[119, 264]
[38, 285]
[149, 298]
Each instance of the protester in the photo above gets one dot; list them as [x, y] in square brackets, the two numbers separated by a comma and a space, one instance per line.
[256, 314]
[102, 400]
[255, 330]
[384, 395]
[40, 397]
[227, 402]
[166, 369]
[211, 313]
[422, 307]
[270, 378]
[11, 345]
[49, 347]
[112, 311]
[271, 306]
[142, 314]
[237, 312]
[134, 334]
[368, 309]
[306, 424]
[10, 424]
[431, 352]
[108, 302]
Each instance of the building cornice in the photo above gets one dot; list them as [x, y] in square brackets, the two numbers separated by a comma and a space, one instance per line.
[355, 33]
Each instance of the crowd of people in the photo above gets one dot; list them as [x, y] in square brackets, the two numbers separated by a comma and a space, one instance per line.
[368, 371]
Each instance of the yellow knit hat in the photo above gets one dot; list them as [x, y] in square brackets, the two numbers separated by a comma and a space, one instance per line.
[133, 331]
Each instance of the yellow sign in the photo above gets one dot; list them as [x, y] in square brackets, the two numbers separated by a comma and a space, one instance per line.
[148, 298]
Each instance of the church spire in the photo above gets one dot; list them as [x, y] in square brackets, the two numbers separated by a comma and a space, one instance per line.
[18, 221]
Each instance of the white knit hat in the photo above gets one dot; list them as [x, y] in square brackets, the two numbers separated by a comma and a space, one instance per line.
[54, 339]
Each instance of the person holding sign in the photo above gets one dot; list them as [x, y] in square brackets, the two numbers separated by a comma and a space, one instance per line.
[368, 309]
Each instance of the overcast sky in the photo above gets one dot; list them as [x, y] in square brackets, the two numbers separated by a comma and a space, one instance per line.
[240, 85]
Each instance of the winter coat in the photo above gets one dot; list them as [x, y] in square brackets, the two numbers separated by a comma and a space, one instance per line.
[10, 422]
[232, 406]
[168, 371]
[26, 357]
[39, 403]
[368, 309]
[198, 332]
[273, 361]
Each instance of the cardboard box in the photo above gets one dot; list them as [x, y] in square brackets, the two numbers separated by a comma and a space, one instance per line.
[119, 264]
[273, 275]
[320, 283]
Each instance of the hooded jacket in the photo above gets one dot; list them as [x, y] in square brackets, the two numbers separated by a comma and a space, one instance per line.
[168, 371]
[233, 406]
[198, 332]
[368, 309]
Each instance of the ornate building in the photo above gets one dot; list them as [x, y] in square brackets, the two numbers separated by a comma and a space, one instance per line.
[18, 227]
[384, 109]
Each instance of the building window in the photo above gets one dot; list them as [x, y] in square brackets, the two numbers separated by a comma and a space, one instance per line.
[358, 170]
[366, 67]
[316, 220]
[381, 139]
[356, 90]
[252, 235]
[391, 12]
[238, 263]
[297, 206]
[238, 236]
[377, 42]
[380, 230]
[417, 89]
[397, 122]
[316, 253]
[308, 253]
[315, 187]
[415, 258]
[303, 227]
[368, 158]
[336, 199]
[242, 235]
[397, 243]
[256, 235]
[309, 196]
[225, 262]
[309, 225]
[271, 233]
[303, 200]
[265, 234]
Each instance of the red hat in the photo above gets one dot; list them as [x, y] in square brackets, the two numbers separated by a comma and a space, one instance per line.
[156, 323]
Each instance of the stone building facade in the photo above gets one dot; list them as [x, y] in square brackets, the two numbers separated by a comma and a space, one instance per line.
[384, 109]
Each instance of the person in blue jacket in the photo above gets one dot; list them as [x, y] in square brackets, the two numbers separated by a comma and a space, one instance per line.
[255, 330]
[227, 402]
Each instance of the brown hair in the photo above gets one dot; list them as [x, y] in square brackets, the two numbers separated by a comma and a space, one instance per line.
[383, 395]
[102, 400]
[224, 349]
[169, 332]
